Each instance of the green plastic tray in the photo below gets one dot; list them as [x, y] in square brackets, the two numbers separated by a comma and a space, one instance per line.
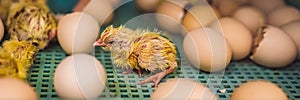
[119, 86]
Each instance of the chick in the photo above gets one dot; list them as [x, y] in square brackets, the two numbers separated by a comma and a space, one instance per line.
[16, 57]
[139, 50]
[31, 20]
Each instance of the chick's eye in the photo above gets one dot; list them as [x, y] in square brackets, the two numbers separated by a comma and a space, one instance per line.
[109, 42]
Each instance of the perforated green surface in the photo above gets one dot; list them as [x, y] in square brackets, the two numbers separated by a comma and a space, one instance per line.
[124, 86]
[120, 86]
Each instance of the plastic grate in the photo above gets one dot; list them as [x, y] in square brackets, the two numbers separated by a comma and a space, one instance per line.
[122, 86]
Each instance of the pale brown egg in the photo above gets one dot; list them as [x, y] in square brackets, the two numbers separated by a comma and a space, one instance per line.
[169, 15]
[16, 89]
[207, 50]
[258, 90]
[267, 5]
[227, 7]
[147, 5]
[294, 32]
[1, 30]
[237, 35]
[283, 15]
[199, 16]
[273, 48]
[101, 10]
[182, 89]
[251, 17]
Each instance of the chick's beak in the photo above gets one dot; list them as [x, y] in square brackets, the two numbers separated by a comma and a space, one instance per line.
[99, 43]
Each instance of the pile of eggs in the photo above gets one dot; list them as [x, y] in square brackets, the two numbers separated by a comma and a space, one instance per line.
[264, 31]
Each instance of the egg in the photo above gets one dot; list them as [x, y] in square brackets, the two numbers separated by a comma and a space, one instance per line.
[293, 31]
[102, 10]
[273, 48]
[283, 15]
[182, 89]
[267, 6]
[170, 20]
[147, 5]
[77, 32]
[79, 76]
[251, 17]
[258, 90]
[16, 89]
[227, 7]
[1, 30]
[237, 35]
[199, 16]
[207, 50]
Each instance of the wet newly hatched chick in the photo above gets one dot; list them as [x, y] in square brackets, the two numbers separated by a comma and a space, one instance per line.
[31, 20]
[139, 50]
[16, 57]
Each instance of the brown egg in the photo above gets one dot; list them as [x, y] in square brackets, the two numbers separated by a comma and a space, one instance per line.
[207, 50]
[227, 7]
[182, 89]
[198, 16]
[147, 5]
[170, 14]
[283, 15]
[273, 48]
[294, 32]
[267, 5]
[251, 17]
[258, 90]
[237, 35]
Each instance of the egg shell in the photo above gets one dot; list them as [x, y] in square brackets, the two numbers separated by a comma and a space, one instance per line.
[258, 90]
[227, 7]
[147, 5]
[77, 32]
[16, 89]
[207, 50]
[293, 31]
[182, 89]
[251, 17]
[267, 6]
[102, 10]
[283, 15]
[79, 76]
[1, 30]
[199, 16]
[273, 48]
[237, 35]
[170, 20]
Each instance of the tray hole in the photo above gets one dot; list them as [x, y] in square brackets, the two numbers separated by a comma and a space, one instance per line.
[34, 75]
[44, 90]
[43, 96]
[135, 96]
[44, 85]
[110, 76]
[46, 75]
[146, 96]
[120, 76]
[112, 90]
[45, 80]
[134, 90]
[122, 90]
[33, 80]
[122, 85]
[222, 96]
[292, 91]
[124, 96]
[111, 85]
[145, 90]
[233, 81]
[54, 95]
[289, 87]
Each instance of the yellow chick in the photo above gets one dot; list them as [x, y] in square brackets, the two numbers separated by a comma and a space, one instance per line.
[33, 21]
[139, 50]
[16, 57]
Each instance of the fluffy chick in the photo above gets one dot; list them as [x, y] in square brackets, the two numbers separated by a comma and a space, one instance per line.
[16, 57]
[31, 20]
[139, 50]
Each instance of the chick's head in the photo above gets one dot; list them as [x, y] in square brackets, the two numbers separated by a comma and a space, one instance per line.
[107, 38]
